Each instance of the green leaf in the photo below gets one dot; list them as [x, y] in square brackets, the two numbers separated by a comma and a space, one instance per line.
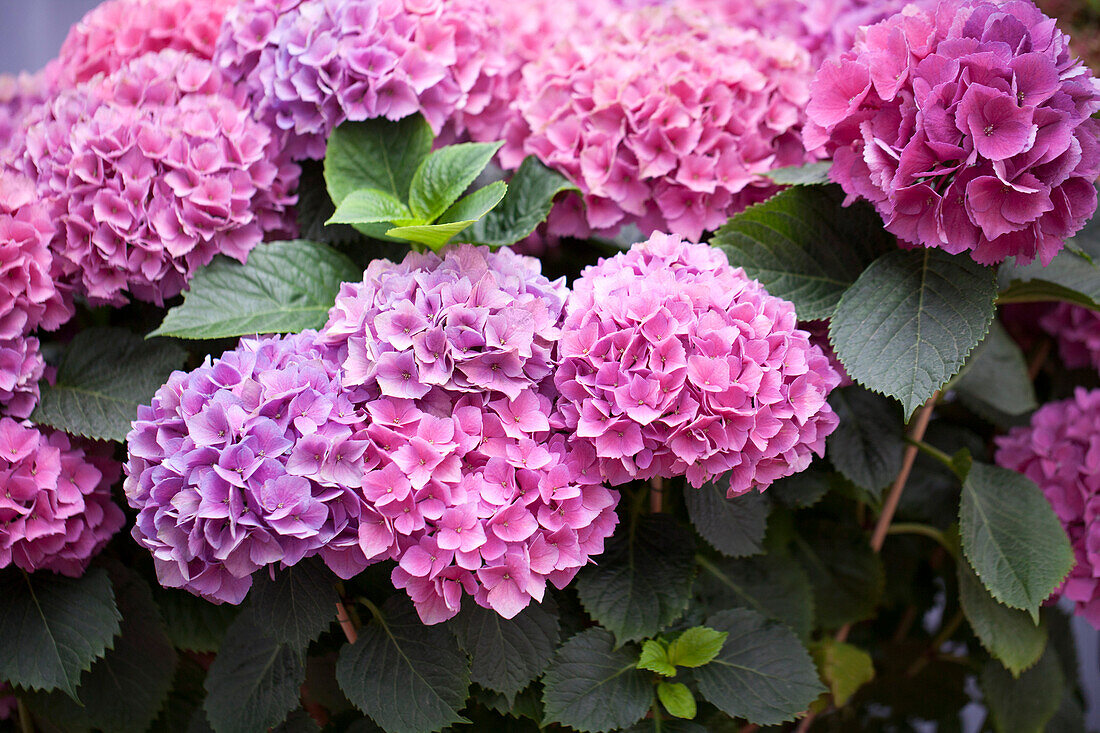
[377, 153]
[677, 699]
[868, 444]
[315, 207]
[507, 654]
[696, 646]
[254, 681]
[369, 206]
[194, 623]
[806, 488]
[654, 657]
[908, 323]
[442, 177]
[774, 586]
[528, 202]
[996, 378]
[408, 677]
[1007, 633]
[804, 246]
[844, 667]
[104, 375]
[285, 287]
[810, 174]
[733, 526]
[1012, 537]
[643, 580]
[184, 699]
[475, 205]
[1026, 703]
[297, 605]
[54, 627]
[432, 235]
[846, 574]
[592, 686]
[1072, 276]
[762, 674]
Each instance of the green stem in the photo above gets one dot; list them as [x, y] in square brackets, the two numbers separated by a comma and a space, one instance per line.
[26, 723]
[932, 451]
[921, 529]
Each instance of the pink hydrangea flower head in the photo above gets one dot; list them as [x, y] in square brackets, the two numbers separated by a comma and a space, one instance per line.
[967, 125]
[249, 461]
[56, 511]
[477, 493]
[309, 65]
[819, 337]
[1060, 451]
[152, 171]
[1077, 331]
[18, 95]
[674, 363]
[21, 366]
[119, 31]
[663, 119]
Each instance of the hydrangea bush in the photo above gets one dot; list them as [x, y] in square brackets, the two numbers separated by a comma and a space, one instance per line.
[635, 365]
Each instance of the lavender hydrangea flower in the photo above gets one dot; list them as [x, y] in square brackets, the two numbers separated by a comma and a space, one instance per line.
[1060, 451]
[1077, 331]
[675, 363]
[967, 126]
[56, 511]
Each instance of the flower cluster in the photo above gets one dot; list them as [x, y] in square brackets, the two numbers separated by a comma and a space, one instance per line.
[249, 460]
[55, 500]
[452, 360]
[21, 366]
[967, 126]
[155, 169]
[1077, 331]
[675, 363]
[309, 65]
[1060, 451]
[663, 119]
[18, 94]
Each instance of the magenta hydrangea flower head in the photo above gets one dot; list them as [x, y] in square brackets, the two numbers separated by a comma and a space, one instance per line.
[663, 118]
[18, 95]
[1060, 451]
[56, 511]
[153, 170]
[1077, 331]
[452, 358]
[118, 31]
[674, 363]
[21, 366]
[249, 461]
[967, 126]
[309, 65]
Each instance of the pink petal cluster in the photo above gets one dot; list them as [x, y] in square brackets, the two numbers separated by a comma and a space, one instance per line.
[967, 126]
[153, 170]
[309, 65]
[1077, 331]
[663, 118]
[819, 337]
[119, 31]
[452, 359]
[18, 95]
[675, 363]
[250, 460]
[1060, 451]
[21, 366]
[55, 499]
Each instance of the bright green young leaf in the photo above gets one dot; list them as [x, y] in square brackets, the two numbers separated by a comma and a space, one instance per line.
[432, 235]
[735, 527]
[54, 627]
[996, 379]
[297, 605]
[677, 699]
[774, 586]
[475, 205]
[804, 246]
[811, 174]
[1012, 537]
[762, 674]
[369, 206]
[443, 176]
[408, 677]
[1024, 704]
[846, 574]
[909, 322]
[696, 646]
[531, 193]
[844, 668]
[592, 686]
[1007, 633]
[643, 580]
[377, 153]
[104, 375]
[285, 287]
[868, 444]
[654, 657]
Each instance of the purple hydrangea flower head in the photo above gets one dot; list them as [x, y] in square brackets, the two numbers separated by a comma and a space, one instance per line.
[56, 511]
[477, 493]
[152, 171]
[249, 461]
[1077, 331]
[1060, 451]
[21, 366]
[309, 65]
[663, 119]
[674, 363]
[967, 125]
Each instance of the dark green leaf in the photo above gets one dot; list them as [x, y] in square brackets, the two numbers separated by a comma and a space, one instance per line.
[408, 677]
[54, 627]
[1069, 718]
[1026, 703]
[445, 174]
[1073, 276]
[184, 699]
[298, 721]
[315, 207]
[804, 246]
[1007, 633]
[696, 646]
[654, 657]
[868, 444]
[377, 153]
[643, 580]
[846, 575]
[592, 686]
[103, 377]
[475, 205]
[528, 202]
[297, 605]
[194, 623]
[369, 206]
[996, 378]
[804, 489]
[774, 586]
[802, 175]
[763, 673]
[735, 526]
[285, 287]
[1012, 537]
[677, 699]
